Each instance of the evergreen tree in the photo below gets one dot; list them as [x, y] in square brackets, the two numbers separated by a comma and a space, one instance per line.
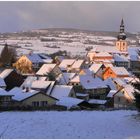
[51, 76]
[137, 96]
[8, 56]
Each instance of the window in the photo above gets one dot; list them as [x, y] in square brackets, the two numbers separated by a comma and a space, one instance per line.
[110, 72]
[35, 104]
[44, 103]
[119, 99]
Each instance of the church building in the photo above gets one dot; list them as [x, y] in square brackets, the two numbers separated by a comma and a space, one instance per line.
[121, 42]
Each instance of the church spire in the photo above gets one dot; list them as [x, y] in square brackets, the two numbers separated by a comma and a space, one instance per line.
[122, 22]
[122, 34]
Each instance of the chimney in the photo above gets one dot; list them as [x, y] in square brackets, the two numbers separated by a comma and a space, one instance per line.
[23, 87]
[27, 89]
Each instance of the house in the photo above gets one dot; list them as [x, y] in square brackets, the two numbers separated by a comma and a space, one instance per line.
[64, 78]
[101, 56]
[97, 69]
[29, 80]
[134, 63]
[134, 59]
[2, 83]
[41, 85]
[97, 103]
[11, 78]
[121, 61]
[48, 68]
[31, 98]
[66, 64]
[71, 65]
[5, 98]
[69, 102]
[110, 83]
[124, 97]
[90, 55]
[46, 59]
[86, 71]
[115, 72]
[75, 81]
[35, 59]
[119, 83]
[60, 91]
[95, 87]
[77, 65]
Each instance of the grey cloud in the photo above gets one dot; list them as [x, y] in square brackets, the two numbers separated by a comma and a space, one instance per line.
[91, 15]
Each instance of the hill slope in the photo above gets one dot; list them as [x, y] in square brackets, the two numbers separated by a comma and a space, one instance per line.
[82, 124]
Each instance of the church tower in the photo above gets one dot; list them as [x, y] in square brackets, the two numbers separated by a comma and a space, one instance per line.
[121, 43]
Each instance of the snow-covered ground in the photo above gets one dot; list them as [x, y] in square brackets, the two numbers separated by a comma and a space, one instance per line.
[82, 124]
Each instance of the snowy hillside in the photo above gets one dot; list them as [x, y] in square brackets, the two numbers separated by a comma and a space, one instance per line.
[82, 124]
[74, 42]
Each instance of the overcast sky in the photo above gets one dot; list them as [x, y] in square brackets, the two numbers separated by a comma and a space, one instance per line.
[17, 16]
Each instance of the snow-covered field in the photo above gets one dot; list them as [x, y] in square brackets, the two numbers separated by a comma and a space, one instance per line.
[82, 124]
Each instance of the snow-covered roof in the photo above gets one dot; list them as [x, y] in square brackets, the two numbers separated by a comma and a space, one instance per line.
[108, 65]
[34, 58]
[120, 70]
[133, 51]
[131, 79]
[134, 58]
[69, 101]
[2, 82]
[95, 67]
[119, 81]
[5, 73]
[66, 62]
[89, 82]
[4, 93]
[96, 101]
[50, 87]
[87, 71]
[130, 90]
[77, 64]
[109, 82]
[43, 56]
[29, 80]
[75, 79]
[20, 95]
[109, 49]
[45, 69]
[48, 61]
[40, 84]
[60, 91]
[103, 54]
[111, 93]
[120, 58]
[65, 77]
